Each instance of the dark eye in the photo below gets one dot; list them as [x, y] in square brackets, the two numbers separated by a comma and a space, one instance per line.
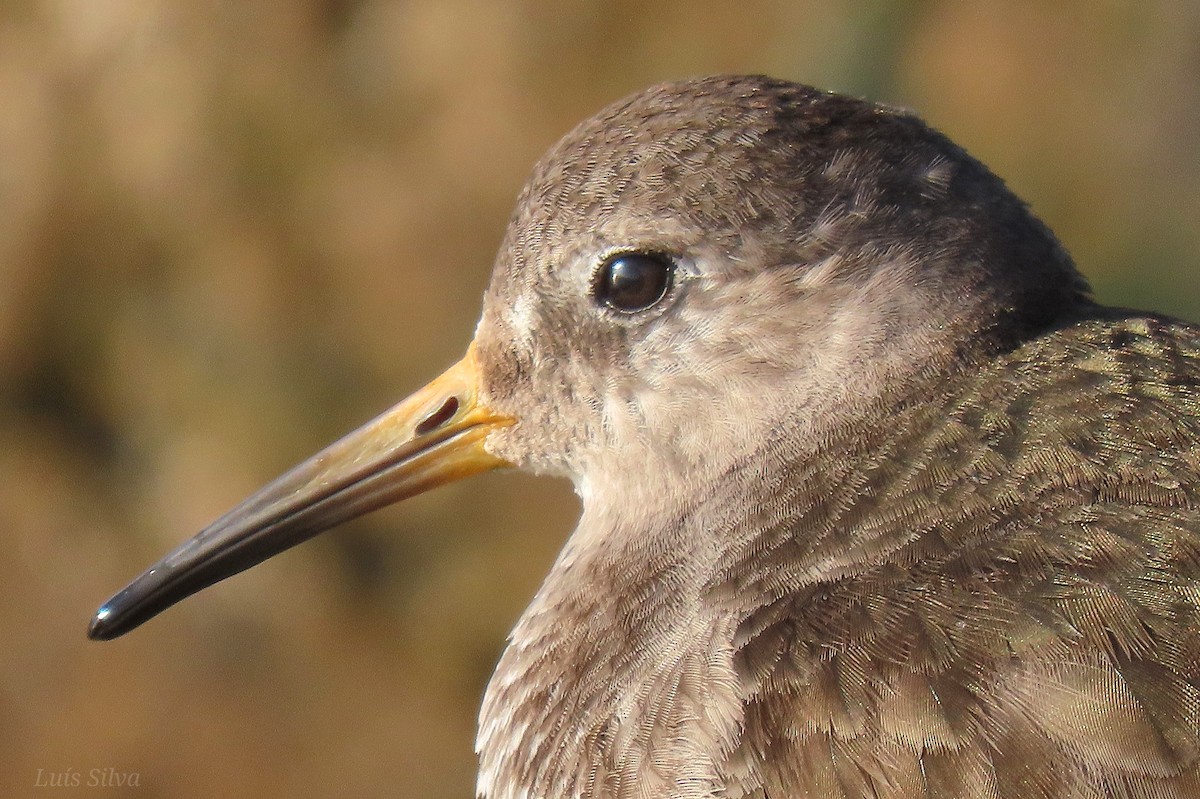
[633, 281]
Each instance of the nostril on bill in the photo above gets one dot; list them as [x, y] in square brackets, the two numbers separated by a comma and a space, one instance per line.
[439, 417]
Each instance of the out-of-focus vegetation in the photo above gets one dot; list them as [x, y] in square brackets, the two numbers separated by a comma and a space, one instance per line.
[231, 231]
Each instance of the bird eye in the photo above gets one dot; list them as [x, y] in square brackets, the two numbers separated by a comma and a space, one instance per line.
[633, 281]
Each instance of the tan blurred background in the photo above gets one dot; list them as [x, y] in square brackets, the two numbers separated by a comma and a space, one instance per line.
[232, 231]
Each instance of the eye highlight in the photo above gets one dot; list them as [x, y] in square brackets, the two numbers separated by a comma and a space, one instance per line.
[633, 281]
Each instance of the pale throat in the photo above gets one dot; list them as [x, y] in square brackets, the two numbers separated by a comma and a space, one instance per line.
[616, 655]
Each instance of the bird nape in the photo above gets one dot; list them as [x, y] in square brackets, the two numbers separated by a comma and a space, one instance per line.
[877, 502]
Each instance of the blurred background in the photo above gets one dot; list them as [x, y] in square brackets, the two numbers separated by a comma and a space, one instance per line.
[230, 232]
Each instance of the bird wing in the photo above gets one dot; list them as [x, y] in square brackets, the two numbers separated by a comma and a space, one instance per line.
[992, 597]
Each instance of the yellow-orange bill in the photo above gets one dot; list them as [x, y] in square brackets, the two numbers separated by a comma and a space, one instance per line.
[434, 437]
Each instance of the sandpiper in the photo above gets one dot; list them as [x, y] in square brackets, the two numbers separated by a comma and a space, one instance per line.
[877, 502]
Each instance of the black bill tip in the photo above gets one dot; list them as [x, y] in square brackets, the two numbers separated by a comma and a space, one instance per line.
[142, 600]
[103, 626]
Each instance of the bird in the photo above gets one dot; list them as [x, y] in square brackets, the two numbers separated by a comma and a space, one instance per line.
[877, 502]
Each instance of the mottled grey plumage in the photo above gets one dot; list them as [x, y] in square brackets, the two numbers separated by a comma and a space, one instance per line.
[877, 504]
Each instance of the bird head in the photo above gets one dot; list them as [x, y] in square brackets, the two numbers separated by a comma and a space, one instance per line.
[706, 263]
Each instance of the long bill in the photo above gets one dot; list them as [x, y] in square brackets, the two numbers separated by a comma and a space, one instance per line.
[434, 437]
